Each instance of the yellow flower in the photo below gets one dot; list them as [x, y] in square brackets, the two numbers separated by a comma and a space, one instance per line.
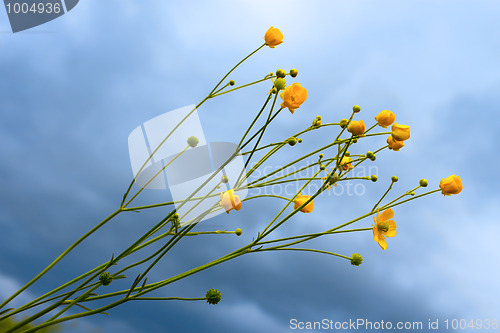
[385, 118]
[346, 163]
[229, 201]
[273, 37]
[356, 127]
[299, 201]
[451, 185]
[394, 144]
[400, 132]
[384, 227]
[293, 96]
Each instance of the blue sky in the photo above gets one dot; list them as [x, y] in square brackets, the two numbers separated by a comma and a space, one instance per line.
[73, 89]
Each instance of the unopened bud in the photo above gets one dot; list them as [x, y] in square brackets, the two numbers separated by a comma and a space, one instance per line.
[424, 182]
[193, 141]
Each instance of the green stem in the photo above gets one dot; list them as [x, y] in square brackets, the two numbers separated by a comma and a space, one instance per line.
[59, 258]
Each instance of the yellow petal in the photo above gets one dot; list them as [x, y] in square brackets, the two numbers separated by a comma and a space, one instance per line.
[392, 229]
[382, 243]
[386, 215]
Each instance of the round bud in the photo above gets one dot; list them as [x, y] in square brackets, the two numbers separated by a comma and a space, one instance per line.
[343, 123]
[292, 141]
[374, 178]
[355, 140]
[412, 192]
[394, 179]
[347, 154]
[175, 216]
[373, 158]
[280, 84]
[318, 117]
[293, 72]
[274, 91]
[321, 156]
[369, 154]
[231, 83]
[224, 179]
[238, 232]
[299, 140]
[193, 141]
[356, 259]
[322, 167]
[105, 278]
[280, 73]
[213, 296]
[356, 108]
[424, 182]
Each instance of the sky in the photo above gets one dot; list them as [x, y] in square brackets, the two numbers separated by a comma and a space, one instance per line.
[73, 89]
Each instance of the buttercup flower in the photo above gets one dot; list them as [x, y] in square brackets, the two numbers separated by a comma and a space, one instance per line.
[385, 118]
[299, 201]
[400, 132]
[293, 96]
[273, 37]
[229, 201]
[346, 163]
[393, 144]
[356, 127]
[384, 227]
[451, 185]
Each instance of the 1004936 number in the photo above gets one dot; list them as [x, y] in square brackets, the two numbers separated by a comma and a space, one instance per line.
[462, 324]
[35, 8]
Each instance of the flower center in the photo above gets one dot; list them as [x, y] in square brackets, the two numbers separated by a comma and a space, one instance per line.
[383, 227]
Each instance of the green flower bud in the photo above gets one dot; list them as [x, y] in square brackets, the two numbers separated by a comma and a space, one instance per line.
[299, 140]
[343, 123]
[318, 117]
[356, 108]
[238, 232]
[333, 179]
[293, 72]
[193, 141]
[280, 84]
[213, 296]
[274, 91]
[231, 83]
[369, 154]
[317, 122]
[224, 179]
[105, 278]
[280, 73]
[292, 141]
[374, 178]
[394, 179]
[373, 158]
[356, 259]
[424, 182]
[355, 140]
[175, 216]
[347, 154]
[322, 167]
[412, 192]
[321, 156]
